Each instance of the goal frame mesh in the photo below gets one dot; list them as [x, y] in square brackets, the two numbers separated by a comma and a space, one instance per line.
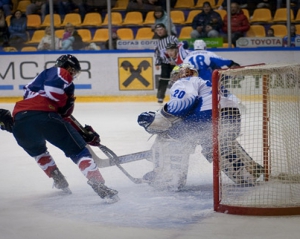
[232, 208]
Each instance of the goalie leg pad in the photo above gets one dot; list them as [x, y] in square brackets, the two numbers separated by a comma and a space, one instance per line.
[170, 165]
[238, 165]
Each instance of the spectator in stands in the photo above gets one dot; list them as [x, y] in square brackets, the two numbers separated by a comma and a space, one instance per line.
[115, 38]
[270, 32]
[45, 43]
[143, 6]
[4, 32]
[239, 23]
[264, 3]
[161, 16]
[17, 30]
[37, 7]
[92, 46]
[294, 35]
[66, 6]
[71, 40]
[6, 5]
[93, 6]
[208, 23]
[241, 3]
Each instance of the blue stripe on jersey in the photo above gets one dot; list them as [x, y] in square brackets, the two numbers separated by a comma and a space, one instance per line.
[180, 108]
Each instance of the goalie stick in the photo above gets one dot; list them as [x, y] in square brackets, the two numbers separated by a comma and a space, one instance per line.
[110, 154]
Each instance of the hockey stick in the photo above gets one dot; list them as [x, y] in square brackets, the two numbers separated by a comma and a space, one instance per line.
[103, 163]
[110, 154]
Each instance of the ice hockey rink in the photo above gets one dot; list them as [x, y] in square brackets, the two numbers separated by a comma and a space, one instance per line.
[31, 209]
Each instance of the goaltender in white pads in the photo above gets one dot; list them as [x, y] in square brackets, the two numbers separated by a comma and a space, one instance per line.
[185, 122]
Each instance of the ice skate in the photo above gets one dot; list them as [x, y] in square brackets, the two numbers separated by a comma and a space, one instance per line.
[60, 181]
[108, 194]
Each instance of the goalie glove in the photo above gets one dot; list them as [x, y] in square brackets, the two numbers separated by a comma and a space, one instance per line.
[6, 120]
[156, 122]
[90, 136]
[68, 108]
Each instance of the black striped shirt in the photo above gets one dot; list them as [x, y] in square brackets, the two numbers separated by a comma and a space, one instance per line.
[161, 47]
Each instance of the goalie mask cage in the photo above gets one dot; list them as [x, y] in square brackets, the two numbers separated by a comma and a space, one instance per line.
[269, 98]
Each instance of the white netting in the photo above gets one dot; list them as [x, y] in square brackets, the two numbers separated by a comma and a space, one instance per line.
[270, 132]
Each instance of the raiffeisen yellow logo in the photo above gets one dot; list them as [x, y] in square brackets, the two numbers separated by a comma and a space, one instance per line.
[135, 73]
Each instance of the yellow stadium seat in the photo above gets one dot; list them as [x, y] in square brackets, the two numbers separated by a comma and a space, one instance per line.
[185, 32]
[92, 19]
[116, 19]
[144, 33]
[226, 45]
[199, 3]
[279, 30]
[297, 18]
[219, 3]
[22, 5]
[120, 5]
[34, 21]
[256, 31]
[101, 35]
[10, 49]
[36, 37]
[29, 48]
[133, 18]
[125, 33]
[184, 4]
[222, 12]
[280, 15]
[59, 33]
[85, 34]
[177, 17]
[261, 16]
[7, 19]
[56, 20]
[191, 16]
[149, 19]
[73, 18]
[246, 13]
[297, 28]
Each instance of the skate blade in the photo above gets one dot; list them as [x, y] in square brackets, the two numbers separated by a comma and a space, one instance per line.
[112, 199]
[66, 190]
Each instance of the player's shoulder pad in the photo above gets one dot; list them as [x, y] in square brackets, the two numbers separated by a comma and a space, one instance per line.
[64, 75]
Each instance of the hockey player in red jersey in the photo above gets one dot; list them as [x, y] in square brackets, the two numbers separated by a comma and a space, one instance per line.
[40, 118]
[176, 53]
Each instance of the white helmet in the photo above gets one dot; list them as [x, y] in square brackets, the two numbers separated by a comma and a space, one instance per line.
[187, 70]
[199, 45]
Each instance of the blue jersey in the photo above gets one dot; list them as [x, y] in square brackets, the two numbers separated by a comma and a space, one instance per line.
[48, 91]
[206, 62]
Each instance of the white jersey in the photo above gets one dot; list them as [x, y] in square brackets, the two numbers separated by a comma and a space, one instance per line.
[192, 96]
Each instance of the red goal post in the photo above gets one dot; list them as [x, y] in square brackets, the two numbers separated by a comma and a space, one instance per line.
[269, 97]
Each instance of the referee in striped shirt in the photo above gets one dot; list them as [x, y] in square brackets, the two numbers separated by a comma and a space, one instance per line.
[162, 61]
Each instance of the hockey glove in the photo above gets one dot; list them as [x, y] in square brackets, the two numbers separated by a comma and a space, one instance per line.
[90, 136]
[234, 65]
[146, 118]
[6, 120]
[67, 110]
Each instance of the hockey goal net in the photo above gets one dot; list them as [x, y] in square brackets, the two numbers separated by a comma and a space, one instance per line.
[269, 98]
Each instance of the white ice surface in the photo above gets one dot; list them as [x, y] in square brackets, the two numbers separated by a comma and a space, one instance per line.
[31, 209]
